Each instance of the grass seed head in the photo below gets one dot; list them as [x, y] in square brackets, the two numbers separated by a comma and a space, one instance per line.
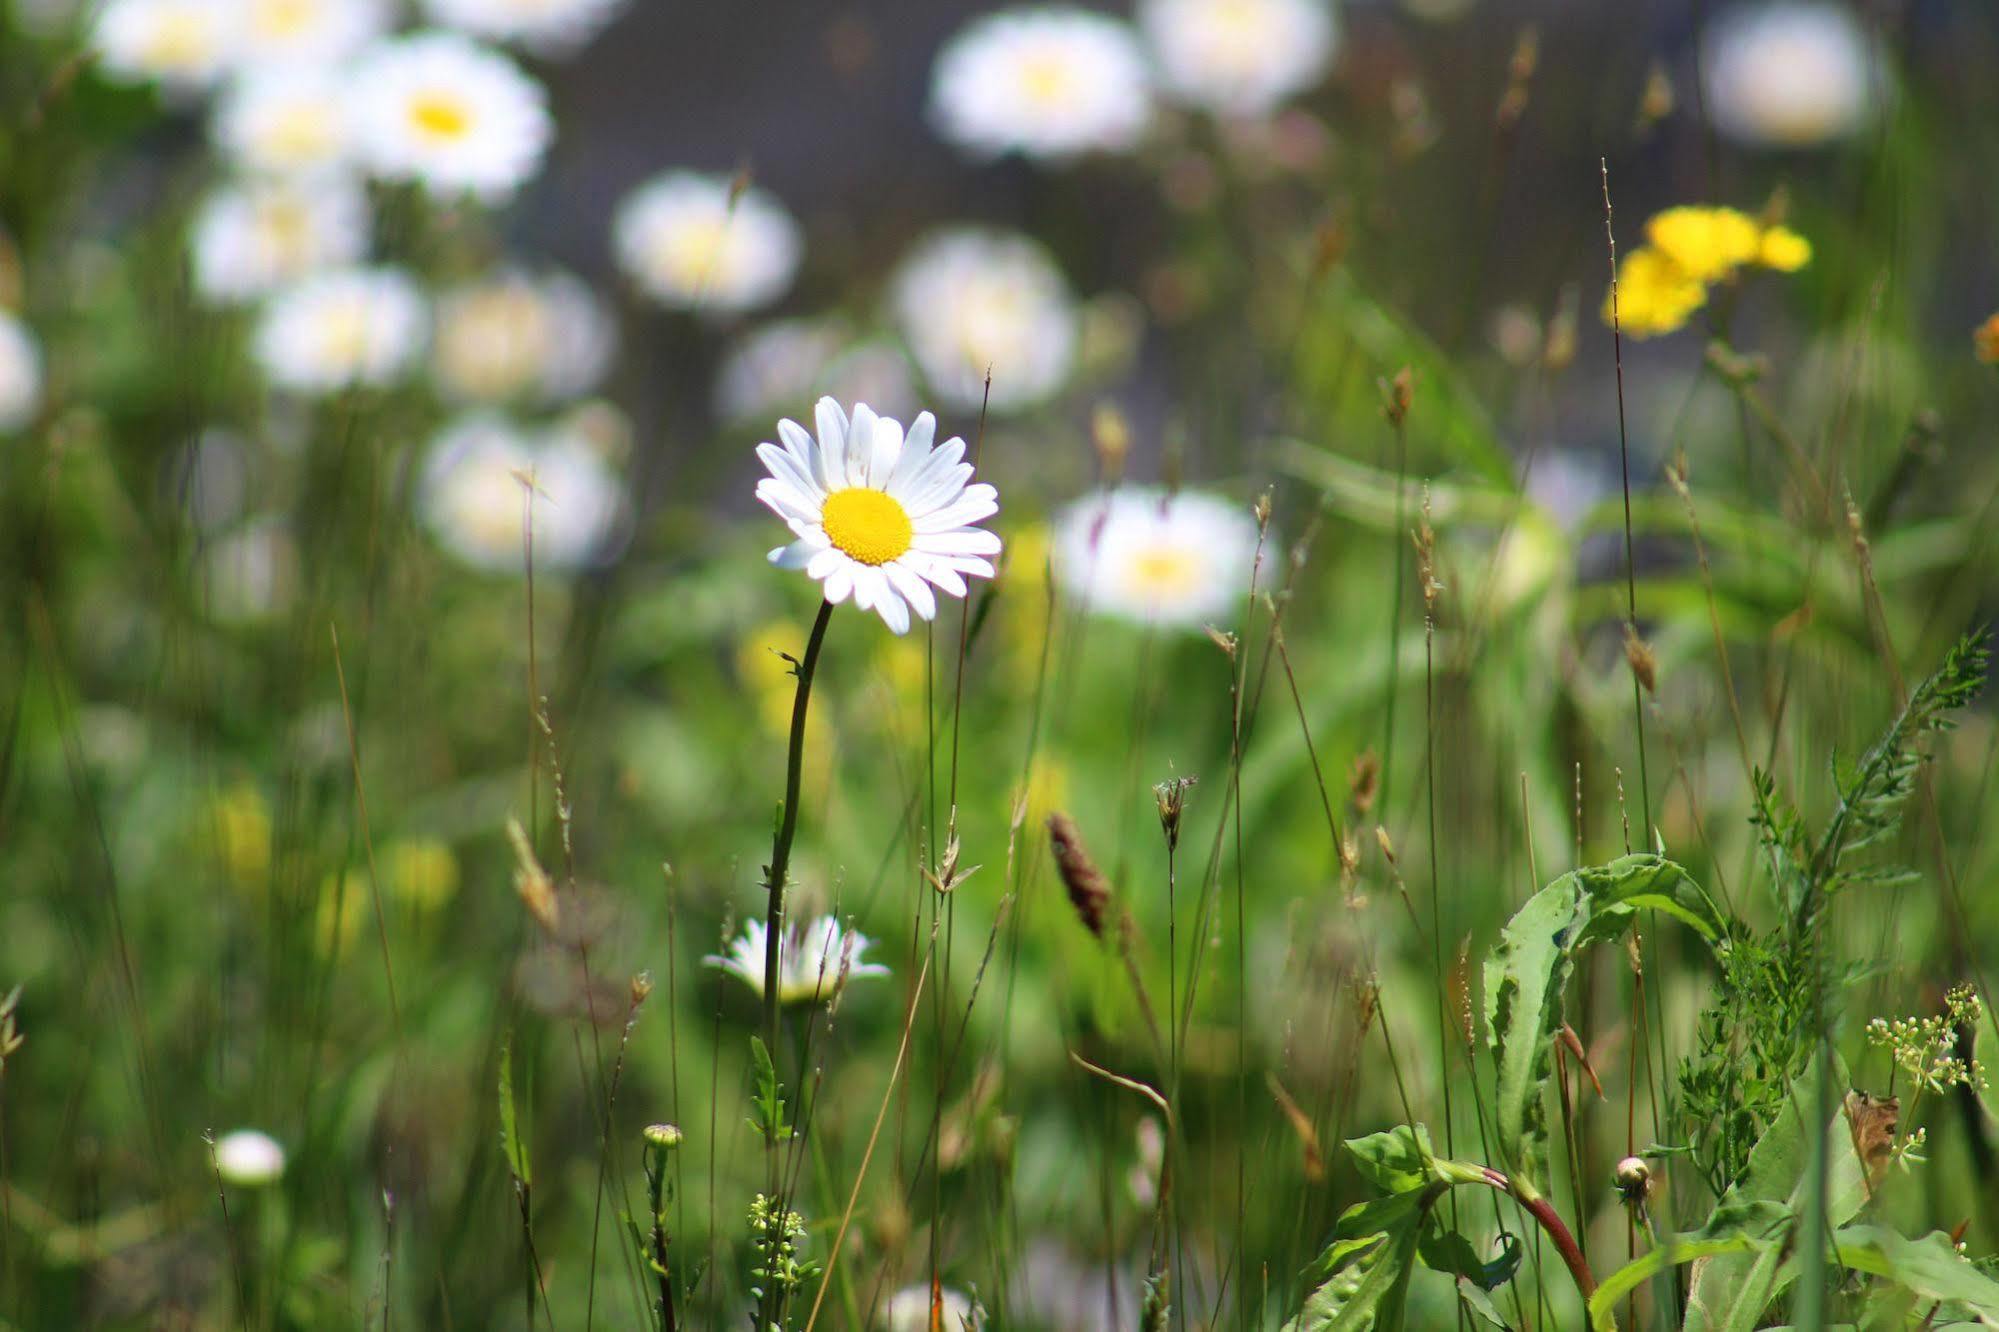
[1089, 890]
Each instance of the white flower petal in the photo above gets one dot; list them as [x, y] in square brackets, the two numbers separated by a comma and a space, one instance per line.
[861, 444]
[832, 443]
[794, 556]
[840, 582]
[968, 541]
[887, 452]
[912, 588]
[894, 612]
[824, 562]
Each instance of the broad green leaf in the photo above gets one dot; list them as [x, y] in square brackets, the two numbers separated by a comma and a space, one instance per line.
[1731, 1292]
[1480, 1303]
[1397, 1161]
[511, 1145]
[1364, 1274]
[1738, 1228]
[1529, 969]
[1930, 1267]
[1451, 1253]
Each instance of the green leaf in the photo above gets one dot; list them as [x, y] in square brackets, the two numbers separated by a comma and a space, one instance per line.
[1731, 1292]
[1449, 1252]
[511, 1144]
[1397, 1161]
[767, 1104]
[1930, 1267]
[1734, 1228]
[1364, 1273]
[1529, 969]
[1480, 1303]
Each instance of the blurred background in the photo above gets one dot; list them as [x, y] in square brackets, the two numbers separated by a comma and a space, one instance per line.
[296, 295]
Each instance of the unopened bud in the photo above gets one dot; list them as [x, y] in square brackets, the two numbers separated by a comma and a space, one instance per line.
[1634, 1179]
[1171, 796]
[663, 1137]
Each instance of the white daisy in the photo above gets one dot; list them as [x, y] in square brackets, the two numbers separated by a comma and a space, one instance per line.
[695, 241]
[1048, 82]
[296, 32]
[518, 336]
[878, 515]
[249, 1158]
[449, 114]
[1181, 558]
[474, 497]
[786, 366]
[181, 44]
[346, 327]
[1787, 75]
[814, 959]
[971, 301]
[290, 121]
[20, 374]
[252, 572]
[546, 26]
[909, 1310]
[252, 239]
[1239, 57]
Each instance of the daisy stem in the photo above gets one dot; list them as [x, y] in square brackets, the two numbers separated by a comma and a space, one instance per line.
[787, 828]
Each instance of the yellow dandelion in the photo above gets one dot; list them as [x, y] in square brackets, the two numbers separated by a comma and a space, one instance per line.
[1654, 295]
[1985, 341]
[1783, 249]
[1707, 244]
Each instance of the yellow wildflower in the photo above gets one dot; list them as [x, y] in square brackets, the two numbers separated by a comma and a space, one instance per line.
[242, 824]
[765, 672]
[1985, 341]
[1784, 250]
[343, 906]
[1706, 243]
[1653, 295]
[422, 872]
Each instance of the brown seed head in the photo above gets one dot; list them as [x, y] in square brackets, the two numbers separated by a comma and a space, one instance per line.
[1644, 665]
[1089, 890]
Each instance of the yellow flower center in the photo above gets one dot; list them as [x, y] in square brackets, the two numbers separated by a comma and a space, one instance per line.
[182, 41]
[866, 524]
[280, 19]
[1164, 573]
[1047, 78]
[440, 116]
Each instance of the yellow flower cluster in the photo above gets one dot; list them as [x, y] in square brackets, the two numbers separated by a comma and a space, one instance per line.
[1687, 250]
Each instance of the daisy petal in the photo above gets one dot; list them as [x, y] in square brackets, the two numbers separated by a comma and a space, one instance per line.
[887, 452]
[832, 443]
[913, 589]
[794, 556]
[824, 562]
[894, 613]
[840, 583]
[966, 541]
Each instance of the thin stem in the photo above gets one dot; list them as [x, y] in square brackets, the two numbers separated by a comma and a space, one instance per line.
[787, 828]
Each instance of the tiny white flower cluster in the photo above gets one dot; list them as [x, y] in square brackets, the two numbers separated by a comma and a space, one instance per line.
[1052, 82]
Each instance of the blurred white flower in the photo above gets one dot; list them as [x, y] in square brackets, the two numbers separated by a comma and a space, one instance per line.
[1048, 82]
[969, 301]
[249, 1158]
[1787, 75]
[1239, 57]
[814, 959]
[346, 327]
[1181, 559]
[181, 44]
[20, 373]
[449, 114]
[785, 366]
[252, 573]
[254, 238]
[909, 1310]
[518, 336]
[695, 241]
[878, 515]
[550, 27]
[293, 32]
[289, 121]
[209, 479]
[474, 496]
